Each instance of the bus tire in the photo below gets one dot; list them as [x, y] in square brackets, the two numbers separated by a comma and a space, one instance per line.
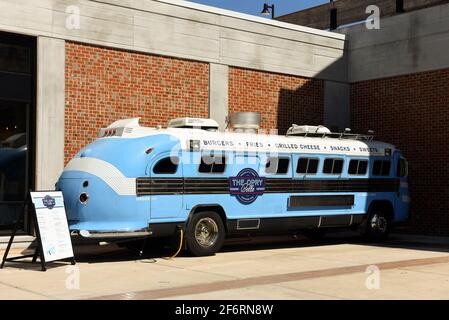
[205, 234]
[378, 224]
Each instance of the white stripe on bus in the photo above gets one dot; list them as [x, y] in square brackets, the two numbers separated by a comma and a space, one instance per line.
[105, 171]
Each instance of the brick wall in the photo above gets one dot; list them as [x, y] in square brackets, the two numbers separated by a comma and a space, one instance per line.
[281, 99]
[104, 85]
[412, 112]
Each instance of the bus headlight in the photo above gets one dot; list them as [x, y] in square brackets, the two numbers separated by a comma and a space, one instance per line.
[84, 197]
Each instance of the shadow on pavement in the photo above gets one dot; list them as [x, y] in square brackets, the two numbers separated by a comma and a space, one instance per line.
[111, 252]
[114, 253]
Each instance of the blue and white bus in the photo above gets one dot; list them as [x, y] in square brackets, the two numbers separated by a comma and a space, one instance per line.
[136, 182]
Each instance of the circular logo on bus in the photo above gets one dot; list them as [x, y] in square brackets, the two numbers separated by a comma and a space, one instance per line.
[247, 186]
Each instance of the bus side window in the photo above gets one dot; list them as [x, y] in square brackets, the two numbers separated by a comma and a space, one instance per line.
[358, 167]
[381, 168]
[402, 170]
[212, 164]
[277, 165]
[167, 165]
[307, 166]
[333, 166]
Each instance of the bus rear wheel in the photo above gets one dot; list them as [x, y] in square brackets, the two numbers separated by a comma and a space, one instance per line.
[378, 225]
[205, 234]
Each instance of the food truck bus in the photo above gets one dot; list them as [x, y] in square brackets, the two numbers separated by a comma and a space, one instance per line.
[192, 179]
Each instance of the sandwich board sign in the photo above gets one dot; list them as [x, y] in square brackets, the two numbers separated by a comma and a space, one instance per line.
[53, 226]
[52, 230]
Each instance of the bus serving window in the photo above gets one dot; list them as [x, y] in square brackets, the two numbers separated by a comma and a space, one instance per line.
[167, 165]
[307, 166]
[212, 164]
[402, 168]
[277, 165]
[358, 167]
[333, 166]
[381, 167]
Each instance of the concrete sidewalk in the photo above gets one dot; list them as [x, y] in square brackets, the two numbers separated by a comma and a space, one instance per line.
[340, 267]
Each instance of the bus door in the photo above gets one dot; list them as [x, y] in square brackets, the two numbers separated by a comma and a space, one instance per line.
[166, 176]
[402, 199]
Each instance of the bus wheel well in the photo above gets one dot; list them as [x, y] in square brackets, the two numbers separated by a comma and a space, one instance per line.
[384, 205]
[210, 207]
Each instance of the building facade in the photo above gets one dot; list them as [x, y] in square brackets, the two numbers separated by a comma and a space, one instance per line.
[345, 12]
[68, 68]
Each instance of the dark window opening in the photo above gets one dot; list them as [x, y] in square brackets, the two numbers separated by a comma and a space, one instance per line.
[277, 165]
[386, 168]
[381, 167]
[333, 166]
[307, 166]
[377, 167]
[15, 58]
[17, 126]
[400, 6]
[333, 22]
[363, 167]
[212, 164]
[167, 165]
[358, 167]
[338, 167]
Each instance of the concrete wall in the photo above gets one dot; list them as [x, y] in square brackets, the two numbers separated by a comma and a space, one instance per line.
[49, 112]
[183, 29]
[218, 93]
[409, 43]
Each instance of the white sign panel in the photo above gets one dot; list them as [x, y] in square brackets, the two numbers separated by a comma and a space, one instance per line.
[53, 226]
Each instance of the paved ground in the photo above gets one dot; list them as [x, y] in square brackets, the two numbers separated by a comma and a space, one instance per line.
[340, 267]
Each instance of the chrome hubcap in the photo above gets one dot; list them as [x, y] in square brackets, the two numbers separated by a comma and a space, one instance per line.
[206, 232]
[379, 223]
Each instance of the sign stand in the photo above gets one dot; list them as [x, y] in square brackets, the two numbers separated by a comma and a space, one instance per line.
[28, 205]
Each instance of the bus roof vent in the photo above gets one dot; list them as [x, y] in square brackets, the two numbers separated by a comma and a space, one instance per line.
[194, 123]
[125, 123]
[323, 132]
[120, 128]
[296, 130]
[248, 122]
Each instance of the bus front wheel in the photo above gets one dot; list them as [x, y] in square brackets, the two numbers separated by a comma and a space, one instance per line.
[378, 225]
[205, 234]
